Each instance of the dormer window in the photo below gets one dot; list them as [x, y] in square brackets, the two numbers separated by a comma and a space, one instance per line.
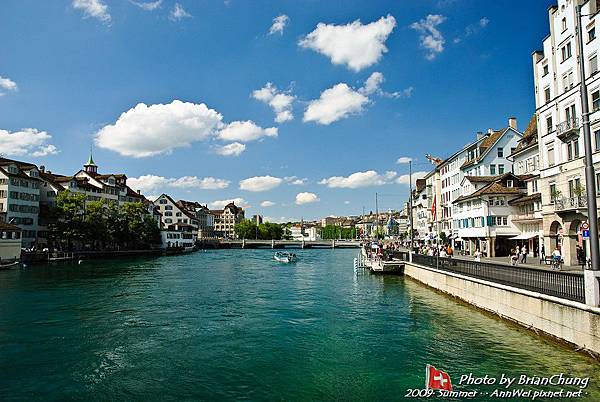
[13, 169]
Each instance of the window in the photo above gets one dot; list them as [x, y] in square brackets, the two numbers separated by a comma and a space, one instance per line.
[500, 152]
[574, 187]
[566, 51]
[509, 183]
[547, 94]
[568, 80]
[534, 186]
[500, 169]
[162, 201]
[493, 169]
[570, 114]
[597, 183]
[591, 34]
[550, 153]
[549, 124]
[593, 64]
[553, 192]
[572, 150]
[564, 24]
[597, 137]
[545, 69]
[596, 100]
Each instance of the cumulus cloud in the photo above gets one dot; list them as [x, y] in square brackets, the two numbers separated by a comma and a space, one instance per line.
[372, 86]
[153, 183]
[306, 198]
[359, 179]
[404, 179]
[245, 131]
[431, 38]
[294, 180]
[6, 84]
[267, 204]
[158, 129]
[280, 102]
[279, 24]
[472, 29]
[403, 160]
[335, 103]
[260, 183]
[93, 8]
[233, 149]
[356, 45]
[147, 5]
[220, 204]
[28, 141]
[178, 13]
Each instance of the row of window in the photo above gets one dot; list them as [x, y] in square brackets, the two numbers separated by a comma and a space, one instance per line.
[479, 222]
[15, 195]
[24, 209]
[24, 183]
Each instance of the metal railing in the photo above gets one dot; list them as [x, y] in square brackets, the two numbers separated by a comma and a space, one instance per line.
[565, 285]
[566, 203]
[568, 125]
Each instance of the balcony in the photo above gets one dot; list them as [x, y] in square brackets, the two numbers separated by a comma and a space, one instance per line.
[568, 130]
[570, 203]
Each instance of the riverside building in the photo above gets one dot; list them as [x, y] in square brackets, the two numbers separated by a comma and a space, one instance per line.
[558, 109]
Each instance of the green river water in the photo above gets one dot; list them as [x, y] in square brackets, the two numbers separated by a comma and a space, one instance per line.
[235, 325]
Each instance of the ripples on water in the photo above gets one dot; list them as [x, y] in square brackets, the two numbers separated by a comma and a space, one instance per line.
[233, 324]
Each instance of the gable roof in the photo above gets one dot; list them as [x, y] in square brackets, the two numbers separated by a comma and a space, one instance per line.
[487, 144]
[495, 187]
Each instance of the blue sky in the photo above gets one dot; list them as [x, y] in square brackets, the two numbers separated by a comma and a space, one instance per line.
[70, 68]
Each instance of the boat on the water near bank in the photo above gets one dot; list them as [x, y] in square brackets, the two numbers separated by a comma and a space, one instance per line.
[10, 265]
[285, 257]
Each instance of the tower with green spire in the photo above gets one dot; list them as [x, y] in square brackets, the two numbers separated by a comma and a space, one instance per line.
[90, 166]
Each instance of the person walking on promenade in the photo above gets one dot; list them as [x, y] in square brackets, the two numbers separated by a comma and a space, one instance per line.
[524, 254]
[477, 255]
[542, 253]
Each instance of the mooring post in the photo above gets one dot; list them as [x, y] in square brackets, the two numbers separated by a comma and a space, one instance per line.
[243, 243]
[302, 243]
[333, 243]
[273, 243]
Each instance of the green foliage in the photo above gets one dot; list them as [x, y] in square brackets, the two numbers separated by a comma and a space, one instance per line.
[330, 232]
[101, 225]
[248, 229]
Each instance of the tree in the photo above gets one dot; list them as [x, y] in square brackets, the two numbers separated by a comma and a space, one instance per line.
[67, 219]
[246, 229]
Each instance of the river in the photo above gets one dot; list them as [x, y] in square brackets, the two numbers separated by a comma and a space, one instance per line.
[235, 325]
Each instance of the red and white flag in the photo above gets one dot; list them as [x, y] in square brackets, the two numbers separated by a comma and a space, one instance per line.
[437, 379]
[433, 208]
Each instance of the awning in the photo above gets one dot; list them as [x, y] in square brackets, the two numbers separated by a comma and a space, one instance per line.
[524, 236]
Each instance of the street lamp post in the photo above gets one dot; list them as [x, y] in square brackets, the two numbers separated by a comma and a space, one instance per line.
[592, 274]
[410, 209]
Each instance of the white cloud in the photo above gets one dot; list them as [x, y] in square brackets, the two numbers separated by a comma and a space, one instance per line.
[372, 85]
[6, 84]
[294, 180]
[158, 129]
[93, 8]
[356, 45]
[280, 102]
[220, 204]
[148, 5]
[245, 131]
[431, 38]
[233, 149]
[472, 29]
[403, 160]
[359, 179]
[206, 183]
[178, 13]
[347, 202]
[335, 103]
[266, 204]
[404, 179]
[306, 198]
[279, 24]
[147, 183]
[260, 183]
[281, 219]
[28, 141]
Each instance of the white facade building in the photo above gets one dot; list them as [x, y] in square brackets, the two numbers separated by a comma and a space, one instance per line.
[558, 109]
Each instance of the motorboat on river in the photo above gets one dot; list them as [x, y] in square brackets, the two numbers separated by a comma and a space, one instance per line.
[285, 257]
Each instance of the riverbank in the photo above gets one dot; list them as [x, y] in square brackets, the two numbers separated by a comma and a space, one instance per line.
[42, 257]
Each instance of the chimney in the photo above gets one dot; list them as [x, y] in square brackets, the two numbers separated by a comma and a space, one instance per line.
[42, 168]
[490, 131]
[479, 135]
[512, 122]
[139, 191]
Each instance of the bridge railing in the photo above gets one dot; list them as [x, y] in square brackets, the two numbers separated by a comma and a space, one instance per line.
[565, 285]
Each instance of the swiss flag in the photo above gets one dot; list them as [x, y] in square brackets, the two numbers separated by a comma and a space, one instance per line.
[437, 379]
[433, 208]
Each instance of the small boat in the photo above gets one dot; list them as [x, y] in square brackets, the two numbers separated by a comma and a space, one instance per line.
[9, 265]
[285, 257]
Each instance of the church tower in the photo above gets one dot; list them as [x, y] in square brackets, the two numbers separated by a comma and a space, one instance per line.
[90, 167]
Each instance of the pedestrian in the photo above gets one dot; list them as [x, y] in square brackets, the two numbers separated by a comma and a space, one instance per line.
[524, 254]
[542, 253]
[580, 255]
[450, 251]
[477, 255]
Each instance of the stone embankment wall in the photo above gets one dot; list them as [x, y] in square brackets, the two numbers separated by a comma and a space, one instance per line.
[573, 322]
